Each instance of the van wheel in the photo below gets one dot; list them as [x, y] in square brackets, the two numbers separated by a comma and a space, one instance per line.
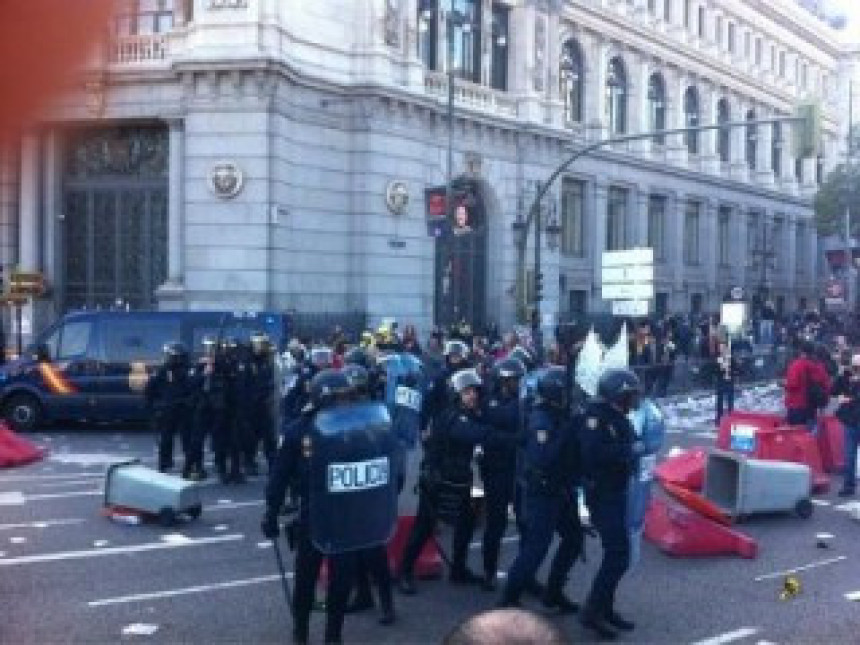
[24, 412]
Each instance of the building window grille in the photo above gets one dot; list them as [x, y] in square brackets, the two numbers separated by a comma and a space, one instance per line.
[572, 81]
[572, 217]
[616, 219]
[691, 118]
[616, 97]
[657, 106]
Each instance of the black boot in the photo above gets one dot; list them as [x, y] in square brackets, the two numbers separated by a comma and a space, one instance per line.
[489, 582]
[619, 622]
[555, 599]
[300, 633]
[387, 617]
[406, 584]
[594, 621]
[362, 602]
[464, 576]
[536, 589]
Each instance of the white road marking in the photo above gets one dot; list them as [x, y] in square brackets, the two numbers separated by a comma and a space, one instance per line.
[18, 540]
[225, 501]
[2, 554]
[100, 543]
[15, 498]
[821, 502]
[220, 527]
[264, 545]
[139, 629]
[117, 550]
[172, 593]
[175, 538]
[229, 505]
[813, 565]
[853, 596]
[71, 482]
[824, 536]
[729, 637]
[848, 507]
[41, 496]
[30, 478]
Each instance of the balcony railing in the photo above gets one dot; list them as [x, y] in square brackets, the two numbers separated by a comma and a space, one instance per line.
[139, 49]
[471, 94]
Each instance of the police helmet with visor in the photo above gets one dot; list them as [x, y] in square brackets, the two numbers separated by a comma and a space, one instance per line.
[552, 387]
[620, 387]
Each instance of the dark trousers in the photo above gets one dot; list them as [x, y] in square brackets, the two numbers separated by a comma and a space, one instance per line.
[498, 495]
[205, 418]
[725, 398]
[168, 423]
[608, 515]
[226, 443]
[341, 569]
[372, 564]
[852, 438]
[545, 515]
[425, 524]
[261, 430]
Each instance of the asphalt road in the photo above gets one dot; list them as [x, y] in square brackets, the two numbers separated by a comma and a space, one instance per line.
[69, 575]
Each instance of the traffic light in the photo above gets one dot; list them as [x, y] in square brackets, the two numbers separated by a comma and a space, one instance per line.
[806, 132]
[538, 285]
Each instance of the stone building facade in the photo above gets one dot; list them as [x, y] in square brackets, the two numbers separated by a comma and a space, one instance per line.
[238, 154]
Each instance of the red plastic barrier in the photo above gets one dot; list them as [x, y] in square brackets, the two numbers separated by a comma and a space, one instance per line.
[797, 445]
[15, 451]
[738, 429]
[698, 503]
[686, 470]
[429, 564]
[678, 531]
[831, 443]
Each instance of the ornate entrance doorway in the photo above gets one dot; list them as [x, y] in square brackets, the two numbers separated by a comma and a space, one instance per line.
[461, 257]
[114, 227]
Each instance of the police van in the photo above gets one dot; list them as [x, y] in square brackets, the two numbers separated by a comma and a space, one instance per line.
[94, 365]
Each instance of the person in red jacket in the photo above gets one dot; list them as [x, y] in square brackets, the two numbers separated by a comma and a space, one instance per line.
[802, 373]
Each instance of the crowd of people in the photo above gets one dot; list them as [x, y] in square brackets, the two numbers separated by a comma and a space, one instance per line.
[484, 403]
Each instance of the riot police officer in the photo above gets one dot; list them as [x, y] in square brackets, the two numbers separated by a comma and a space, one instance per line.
[456, 355]
[549, 478]
[445, 481]
[291, 469]
[261, 423]
[167, 397]
[372, 562]
[608, 449]
[499, 459]
[296, 397]
[210, 409]
[228, 455]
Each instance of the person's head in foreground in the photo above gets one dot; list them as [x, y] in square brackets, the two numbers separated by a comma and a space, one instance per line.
[506, 627]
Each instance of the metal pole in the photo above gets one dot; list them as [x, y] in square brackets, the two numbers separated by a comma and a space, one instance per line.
[449, 171]
[536, 321]
[848, 154]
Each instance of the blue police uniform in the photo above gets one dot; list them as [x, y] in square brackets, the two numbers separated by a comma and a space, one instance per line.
[168, 397]
[549, 478]
[607, 440]
[498, 473]
[210, 386]
[261, 424]
[447, 466]
[290, 470]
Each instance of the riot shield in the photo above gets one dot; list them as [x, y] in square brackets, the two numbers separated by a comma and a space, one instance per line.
[353, 491]
[405, 390]
[650, 428]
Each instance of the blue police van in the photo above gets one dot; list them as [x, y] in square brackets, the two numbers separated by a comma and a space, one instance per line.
[94, 365]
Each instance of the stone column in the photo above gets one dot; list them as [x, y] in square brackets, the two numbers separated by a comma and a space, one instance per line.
[708, 138]
[53, 205]
[790, 256]
[764, 170]
[738, 245]
[709, 243]
[739, 168]
[28, 213]
[171, 293]
[595, 90]
[641, 114]
[675, 144]
[674, 226]
[808, 188]
[598, 238]
[639, 228]
[788, 179]
[9, 188]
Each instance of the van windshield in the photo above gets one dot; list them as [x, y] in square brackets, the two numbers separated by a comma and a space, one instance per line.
[74, 340]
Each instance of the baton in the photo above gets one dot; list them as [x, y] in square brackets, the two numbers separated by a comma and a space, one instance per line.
[283, 572]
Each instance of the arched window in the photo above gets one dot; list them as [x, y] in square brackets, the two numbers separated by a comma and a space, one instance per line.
[691, 119]
[751, 139]
[724, 134]
[616, 97]
[776, 150]
[657, 105]
[572, 81]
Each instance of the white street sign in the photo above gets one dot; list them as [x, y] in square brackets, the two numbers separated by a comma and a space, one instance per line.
[633, 308]
[639, 273]
[628, 291]
[627, 258]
